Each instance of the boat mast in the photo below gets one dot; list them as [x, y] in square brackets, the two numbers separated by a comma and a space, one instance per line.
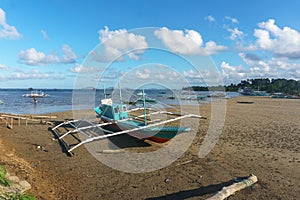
[144, 104]
[104, 91]
[120, 91]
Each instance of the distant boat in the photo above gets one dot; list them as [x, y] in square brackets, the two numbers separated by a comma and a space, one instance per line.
[192, 97]
[35, 94]
[1, 102]
[250, 92]
[259, 93]
[245, 91]
[280, 95]
[148, 99]
[217, 95]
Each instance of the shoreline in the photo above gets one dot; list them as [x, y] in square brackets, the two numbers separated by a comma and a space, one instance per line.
[260, 138]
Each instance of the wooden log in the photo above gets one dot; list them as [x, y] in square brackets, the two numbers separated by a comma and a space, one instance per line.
[186, 162]
[231, 189]
[112, 151]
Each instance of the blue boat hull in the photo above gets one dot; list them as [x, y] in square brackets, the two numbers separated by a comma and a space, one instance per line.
[157, 134]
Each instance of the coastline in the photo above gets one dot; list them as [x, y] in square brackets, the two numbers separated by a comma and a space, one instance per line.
[260, 138]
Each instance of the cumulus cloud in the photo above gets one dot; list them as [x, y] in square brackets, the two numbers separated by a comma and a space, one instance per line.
[283, 42]
[44, 34]
[233, 20]
[203, 77]
[3, 67]
[6, 30]
[235, 33]
[33, 57]
[210, 18]
[142, 75]
[189, 42]
[250, 56]
[159, 73]
[232, 74]
[80, 69]
[259, 68]
[118, 43]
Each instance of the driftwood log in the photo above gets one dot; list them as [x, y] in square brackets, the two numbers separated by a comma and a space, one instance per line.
[231, 189]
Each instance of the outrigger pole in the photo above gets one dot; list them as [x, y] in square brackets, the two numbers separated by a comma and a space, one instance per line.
[100, 137]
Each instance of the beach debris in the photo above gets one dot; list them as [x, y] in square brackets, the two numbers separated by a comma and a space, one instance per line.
[167, 180]
[183, 163]
[112, 151]
[24, 186]
[231, 189]
[40, 147]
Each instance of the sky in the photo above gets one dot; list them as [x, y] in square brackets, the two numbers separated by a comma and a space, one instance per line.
[69, 44]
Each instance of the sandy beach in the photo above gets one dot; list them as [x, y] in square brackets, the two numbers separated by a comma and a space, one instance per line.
[262, 138]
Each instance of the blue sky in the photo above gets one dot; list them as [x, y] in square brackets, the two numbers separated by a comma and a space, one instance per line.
[51, 43]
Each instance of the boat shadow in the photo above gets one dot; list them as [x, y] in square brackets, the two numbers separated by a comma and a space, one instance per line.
[197, 192]
[121, 141]
[127, 141]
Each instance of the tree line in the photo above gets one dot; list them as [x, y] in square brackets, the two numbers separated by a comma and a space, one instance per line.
[286, 86]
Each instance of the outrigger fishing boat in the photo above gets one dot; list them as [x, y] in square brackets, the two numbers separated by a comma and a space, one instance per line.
[35, 94]
[116, 119]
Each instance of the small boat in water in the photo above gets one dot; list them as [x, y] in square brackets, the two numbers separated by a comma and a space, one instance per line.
[35, 94]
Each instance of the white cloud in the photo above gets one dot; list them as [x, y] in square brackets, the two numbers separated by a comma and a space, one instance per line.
[188, 42]
[142, 75]
[34, 74]
[235, 33]
[44, 34]
[210, 18]
[258, 68]
[233, 74]
[283, 42]
[7, 31]
[80, 69]
[33, 57]
[3, 67]
[162, 73]
[152, 73]
[203, 77]
[68, 55]
[233, 20]
[118, 43]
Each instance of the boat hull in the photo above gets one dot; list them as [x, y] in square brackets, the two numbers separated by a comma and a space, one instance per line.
[155, 134]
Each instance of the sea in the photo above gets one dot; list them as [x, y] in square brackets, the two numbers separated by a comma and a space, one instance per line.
[58, 100]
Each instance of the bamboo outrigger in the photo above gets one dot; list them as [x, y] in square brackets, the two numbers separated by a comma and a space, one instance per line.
[94, 131]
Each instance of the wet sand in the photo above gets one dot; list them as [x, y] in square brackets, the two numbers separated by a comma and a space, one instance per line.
[262, 138]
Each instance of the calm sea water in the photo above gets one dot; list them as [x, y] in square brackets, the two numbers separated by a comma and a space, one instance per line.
[12, 100]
